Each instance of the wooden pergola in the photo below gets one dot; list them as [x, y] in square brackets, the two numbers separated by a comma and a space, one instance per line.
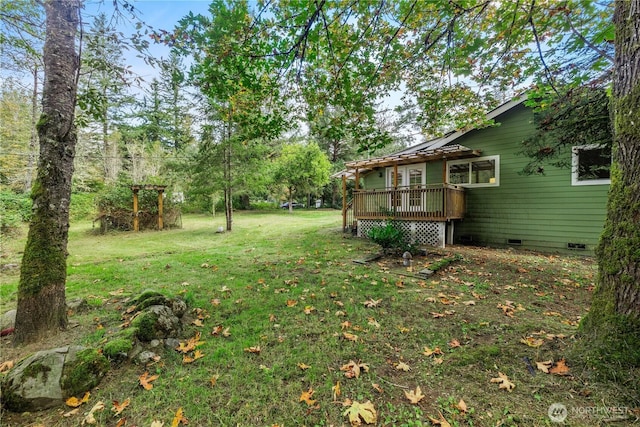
[136, 188]
[354, 169]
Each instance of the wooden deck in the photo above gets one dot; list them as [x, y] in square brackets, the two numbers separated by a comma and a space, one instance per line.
[440, 202]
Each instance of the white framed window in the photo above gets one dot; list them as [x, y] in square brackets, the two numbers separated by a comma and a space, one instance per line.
[590, 165]
[408, 176]
[476, 172]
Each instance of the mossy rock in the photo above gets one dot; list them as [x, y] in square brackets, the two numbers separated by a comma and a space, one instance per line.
[156, 322]
[46, 378]
[82, 371]
[116, 348]
[149, 294]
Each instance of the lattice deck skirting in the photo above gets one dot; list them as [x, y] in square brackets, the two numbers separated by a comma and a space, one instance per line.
[424, 232]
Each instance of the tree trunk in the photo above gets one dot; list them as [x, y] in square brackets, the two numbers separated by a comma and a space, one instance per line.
[41, 292]
[33, 140]
[612, 327]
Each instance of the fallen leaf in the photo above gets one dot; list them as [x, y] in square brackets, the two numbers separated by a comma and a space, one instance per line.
[336, 391]
[74, 402]
[255, 349]
[353, 369]
[214, 379]
[532, 342]
[361, 411]
[118, 407]
[309, 309]
[306, 397]
[6, 366]
[121, 422]
[552, 313]
[156, 423]
[350, 337]
[462, 406]
[117, 292]
[470, 302]
[414, 396]
[303, 366]
[198, 322]
[560, 368]
[89, 418]
[429, 352]
[370, 303]
[215, 302]
[373, 322]
[377, 388]
[71, 413]
[190, 344]
[291, 302]
[401, 366]
[454, 343]
[503, 382]
[179, 418]
[146, 380]
[442, 422]
[544, 366]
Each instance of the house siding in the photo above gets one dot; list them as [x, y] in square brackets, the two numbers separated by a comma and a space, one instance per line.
[545, 212]
[373, 180]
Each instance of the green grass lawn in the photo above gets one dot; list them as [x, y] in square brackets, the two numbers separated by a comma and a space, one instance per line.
[287, 284]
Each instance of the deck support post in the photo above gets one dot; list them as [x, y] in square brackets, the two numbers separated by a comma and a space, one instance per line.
[160, 213]
[136, 223]
[450, 232]
[344, 202]
[395, 176]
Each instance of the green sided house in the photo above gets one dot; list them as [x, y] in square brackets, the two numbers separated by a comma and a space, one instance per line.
[468, 187]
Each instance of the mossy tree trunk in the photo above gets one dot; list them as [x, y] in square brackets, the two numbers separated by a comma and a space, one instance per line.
[41, 292]
[612, 327]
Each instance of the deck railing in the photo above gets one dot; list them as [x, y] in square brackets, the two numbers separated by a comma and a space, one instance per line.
[439, 202]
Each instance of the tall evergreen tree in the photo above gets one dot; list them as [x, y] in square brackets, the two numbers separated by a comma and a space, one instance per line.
[234, 73]
[103, 93]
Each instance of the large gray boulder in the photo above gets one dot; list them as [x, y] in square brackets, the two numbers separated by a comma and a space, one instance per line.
[8, 320]
[47, 378]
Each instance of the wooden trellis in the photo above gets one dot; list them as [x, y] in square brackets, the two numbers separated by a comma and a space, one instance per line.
[136, 188]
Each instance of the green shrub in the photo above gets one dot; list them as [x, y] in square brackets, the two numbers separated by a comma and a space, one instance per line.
[15, 209]
[392, 239]
[389, 237]
[82, 206]
[264, 206]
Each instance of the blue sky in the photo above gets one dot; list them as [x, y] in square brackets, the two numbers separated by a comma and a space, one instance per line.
[159, 14]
